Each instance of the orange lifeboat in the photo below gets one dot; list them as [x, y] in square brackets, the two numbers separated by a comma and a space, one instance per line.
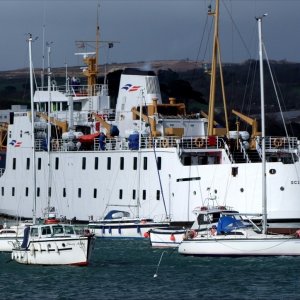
[51, 221]
[88, 138]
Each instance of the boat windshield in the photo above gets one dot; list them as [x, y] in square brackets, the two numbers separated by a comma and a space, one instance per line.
[69, 230]
[58, 229]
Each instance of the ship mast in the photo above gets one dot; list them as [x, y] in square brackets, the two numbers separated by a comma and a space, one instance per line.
[216, 58]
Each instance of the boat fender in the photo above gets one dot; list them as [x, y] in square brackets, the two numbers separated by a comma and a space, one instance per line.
[56, 248]
[146, 234]
[32, 249]
[172, 237]
[278, 143]
[199, 143]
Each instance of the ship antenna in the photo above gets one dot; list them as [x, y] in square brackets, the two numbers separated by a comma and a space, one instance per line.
[97, 40]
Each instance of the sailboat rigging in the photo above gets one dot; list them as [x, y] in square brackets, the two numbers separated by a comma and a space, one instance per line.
[52, 242]
[236, 234]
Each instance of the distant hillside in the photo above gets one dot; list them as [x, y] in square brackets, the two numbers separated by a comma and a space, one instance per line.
[189, 82]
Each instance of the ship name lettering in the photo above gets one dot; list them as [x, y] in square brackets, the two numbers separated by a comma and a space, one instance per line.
[295, 182]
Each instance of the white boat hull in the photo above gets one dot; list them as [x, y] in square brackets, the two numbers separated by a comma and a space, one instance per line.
[55, 252]
[123, 231]
[7, 243]
[241, 192]
[236, 246]
[166, 237]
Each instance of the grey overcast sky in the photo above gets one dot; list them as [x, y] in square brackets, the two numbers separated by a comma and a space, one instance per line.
[146, 30]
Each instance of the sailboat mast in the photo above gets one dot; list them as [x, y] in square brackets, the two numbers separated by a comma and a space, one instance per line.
[263, 134]
[32, 128]
[49, 125]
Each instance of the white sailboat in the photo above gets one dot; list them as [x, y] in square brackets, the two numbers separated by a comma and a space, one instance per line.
[11, 235]
[172, 236]
[50, 243]
[235, 235]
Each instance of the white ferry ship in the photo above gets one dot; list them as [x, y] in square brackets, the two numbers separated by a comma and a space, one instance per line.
[151, 159]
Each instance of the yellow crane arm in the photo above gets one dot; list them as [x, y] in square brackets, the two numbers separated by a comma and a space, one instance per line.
[62, 124]
[249, 121]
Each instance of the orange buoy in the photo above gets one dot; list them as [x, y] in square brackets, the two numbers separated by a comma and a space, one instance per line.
[172, 237]
[146, 235]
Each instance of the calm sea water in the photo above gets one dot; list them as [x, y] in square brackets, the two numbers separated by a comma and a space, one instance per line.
[125, 269]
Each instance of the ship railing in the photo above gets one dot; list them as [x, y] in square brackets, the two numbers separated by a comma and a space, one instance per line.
[273, 144]
[228, 152]
[279, 144]
[188, 143]
[243, 151]
[202, 143]
[117, 143]
[78, 90]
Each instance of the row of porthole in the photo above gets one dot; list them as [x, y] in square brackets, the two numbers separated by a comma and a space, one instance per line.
[272, 171]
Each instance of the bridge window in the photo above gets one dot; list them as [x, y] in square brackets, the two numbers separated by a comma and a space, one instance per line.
[120, 194]
[14, 163]
[34, 232]
[79, 192]
[46, 230]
